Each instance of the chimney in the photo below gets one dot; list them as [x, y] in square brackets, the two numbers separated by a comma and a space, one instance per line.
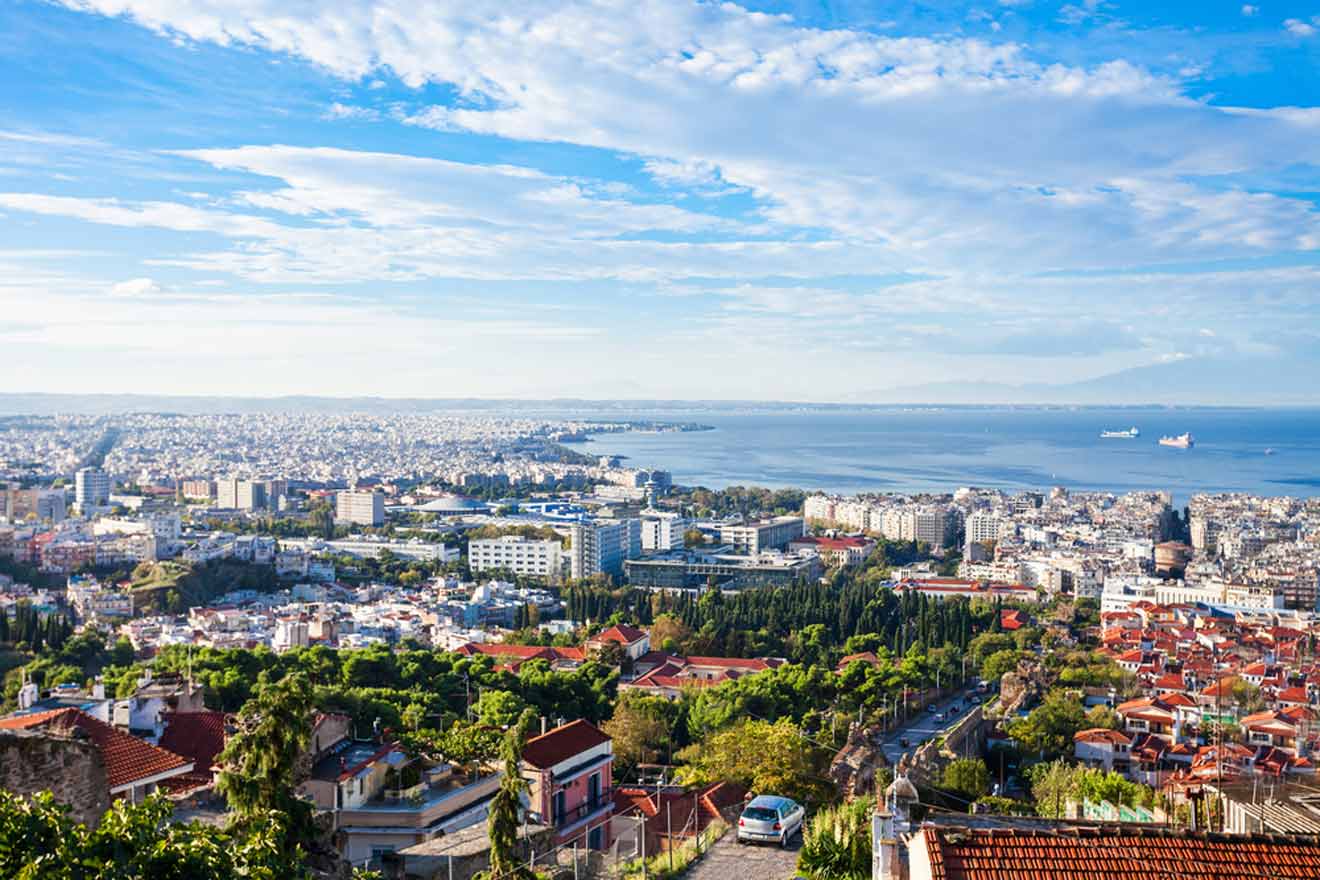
[542, 725]
[886, 854]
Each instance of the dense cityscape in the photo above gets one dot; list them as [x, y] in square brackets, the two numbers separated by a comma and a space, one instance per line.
[659, 440]
[434, 608]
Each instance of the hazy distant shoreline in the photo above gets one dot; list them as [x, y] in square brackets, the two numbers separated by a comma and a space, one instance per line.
[41, 403]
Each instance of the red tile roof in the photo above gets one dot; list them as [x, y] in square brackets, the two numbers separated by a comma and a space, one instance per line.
[127, 758]
[849, 542]
[755, 664]
[1102, 734]
[198, 736]
[622, 634]
[562, 743]
[1115, 853]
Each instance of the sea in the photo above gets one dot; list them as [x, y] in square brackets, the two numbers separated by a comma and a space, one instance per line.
[913, 449]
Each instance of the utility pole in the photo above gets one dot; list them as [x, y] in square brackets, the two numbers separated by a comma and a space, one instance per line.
[669, 832]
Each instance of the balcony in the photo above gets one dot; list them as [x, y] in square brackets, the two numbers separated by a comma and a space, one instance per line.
[422, 805]
[589, 806]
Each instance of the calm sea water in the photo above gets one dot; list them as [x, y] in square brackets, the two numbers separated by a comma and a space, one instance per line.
[941, 449]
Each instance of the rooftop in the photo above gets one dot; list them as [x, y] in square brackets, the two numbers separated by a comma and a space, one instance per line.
[1113, 852]
[127, 759]
[562, 743]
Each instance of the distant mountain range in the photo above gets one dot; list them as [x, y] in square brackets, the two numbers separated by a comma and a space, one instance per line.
[1189, 382]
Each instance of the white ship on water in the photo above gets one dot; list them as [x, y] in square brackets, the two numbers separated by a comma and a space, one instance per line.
[1129, 434]
[1182, 441]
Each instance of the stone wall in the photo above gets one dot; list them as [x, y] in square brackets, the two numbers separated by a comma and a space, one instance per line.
[72, 769]
[966, 738]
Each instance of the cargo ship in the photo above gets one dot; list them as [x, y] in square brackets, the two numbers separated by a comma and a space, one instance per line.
[1182, 441]
[1129, 434]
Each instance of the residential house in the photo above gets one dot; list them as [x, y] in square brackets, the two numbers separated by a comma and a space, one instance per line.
[632, 641]
[384, 801]
[142, 713]
[675, 673]
[569, 771]
[1147, 715]
[1110, 750]
[134, 767]
[1287, 729]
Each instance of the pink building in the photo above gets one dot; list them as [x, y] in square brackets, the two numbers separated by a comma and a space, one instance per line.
[569, 771]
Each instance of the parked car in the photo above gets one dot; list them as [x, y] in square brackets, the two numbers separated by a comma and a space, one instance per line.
[770, 819]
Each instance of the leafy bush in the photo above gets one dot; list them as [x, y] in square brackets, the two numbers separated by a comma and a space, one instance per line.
[836, 844]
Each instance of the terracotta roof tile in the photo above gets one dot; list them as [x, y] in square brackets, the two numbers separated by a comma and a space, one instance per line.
[562, 743]
[1115, 853]
[198, 736]
[127, 758]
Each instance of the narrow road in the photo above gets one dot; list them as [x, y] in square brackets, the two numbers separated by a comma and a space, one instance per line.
[924, 726]
[729, 861]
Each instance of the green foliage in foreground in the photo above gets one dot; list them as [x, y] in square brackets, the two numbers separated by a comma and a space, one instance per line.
[1056, 783]
[38, 841]
[836, 843]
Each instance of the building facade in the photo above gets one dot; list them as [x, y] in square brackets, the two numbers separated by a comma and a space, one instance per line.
[771, 534]
[91, 489]
[517, 554]
[360, 508]
[603, 546]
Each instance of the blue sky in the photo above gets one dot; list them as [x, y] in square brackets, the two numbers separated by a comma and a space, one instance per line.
[802, 200]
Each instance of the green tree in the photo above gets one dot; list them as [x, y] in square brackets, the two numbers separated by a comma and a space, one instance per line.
[762, 756]
[1050, 727]
[499, 708]
[641, 728]
[502, 825]
[968, 777]
[38, 841]
[261, 763]
[998, 663]
[1103, 716]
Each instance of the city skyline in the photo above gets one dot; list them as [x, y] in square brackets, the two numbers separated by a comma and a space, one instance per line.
[791, 201]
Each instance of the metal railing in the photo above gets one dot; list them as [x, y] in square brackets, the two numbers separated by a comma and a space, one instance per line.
[584, 809]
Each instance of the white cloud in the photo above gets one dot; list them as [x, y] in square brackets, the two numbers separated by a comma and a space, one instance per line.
[1250, 11]
[135, 288]
[347, 111]
[918, 144]
[976, 161]
[1299, 28]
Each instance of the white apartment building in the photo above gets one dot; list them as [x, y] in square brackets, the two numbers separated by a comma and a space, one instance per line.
[163, 526]
[819, 508]
[235, 494]
[517, 554]
[360, 508]
[662, 530]
[987, 527]
[91, 489]
[933, 526]
[601, 547]
[290, 634]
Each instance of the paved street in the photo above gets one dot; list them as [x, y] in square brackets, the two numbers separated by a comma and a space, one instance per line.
[729, 861]
[924, 726]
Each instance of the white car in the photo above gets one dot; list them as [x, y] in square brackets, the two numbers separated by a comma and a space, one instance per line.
[770, 819]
